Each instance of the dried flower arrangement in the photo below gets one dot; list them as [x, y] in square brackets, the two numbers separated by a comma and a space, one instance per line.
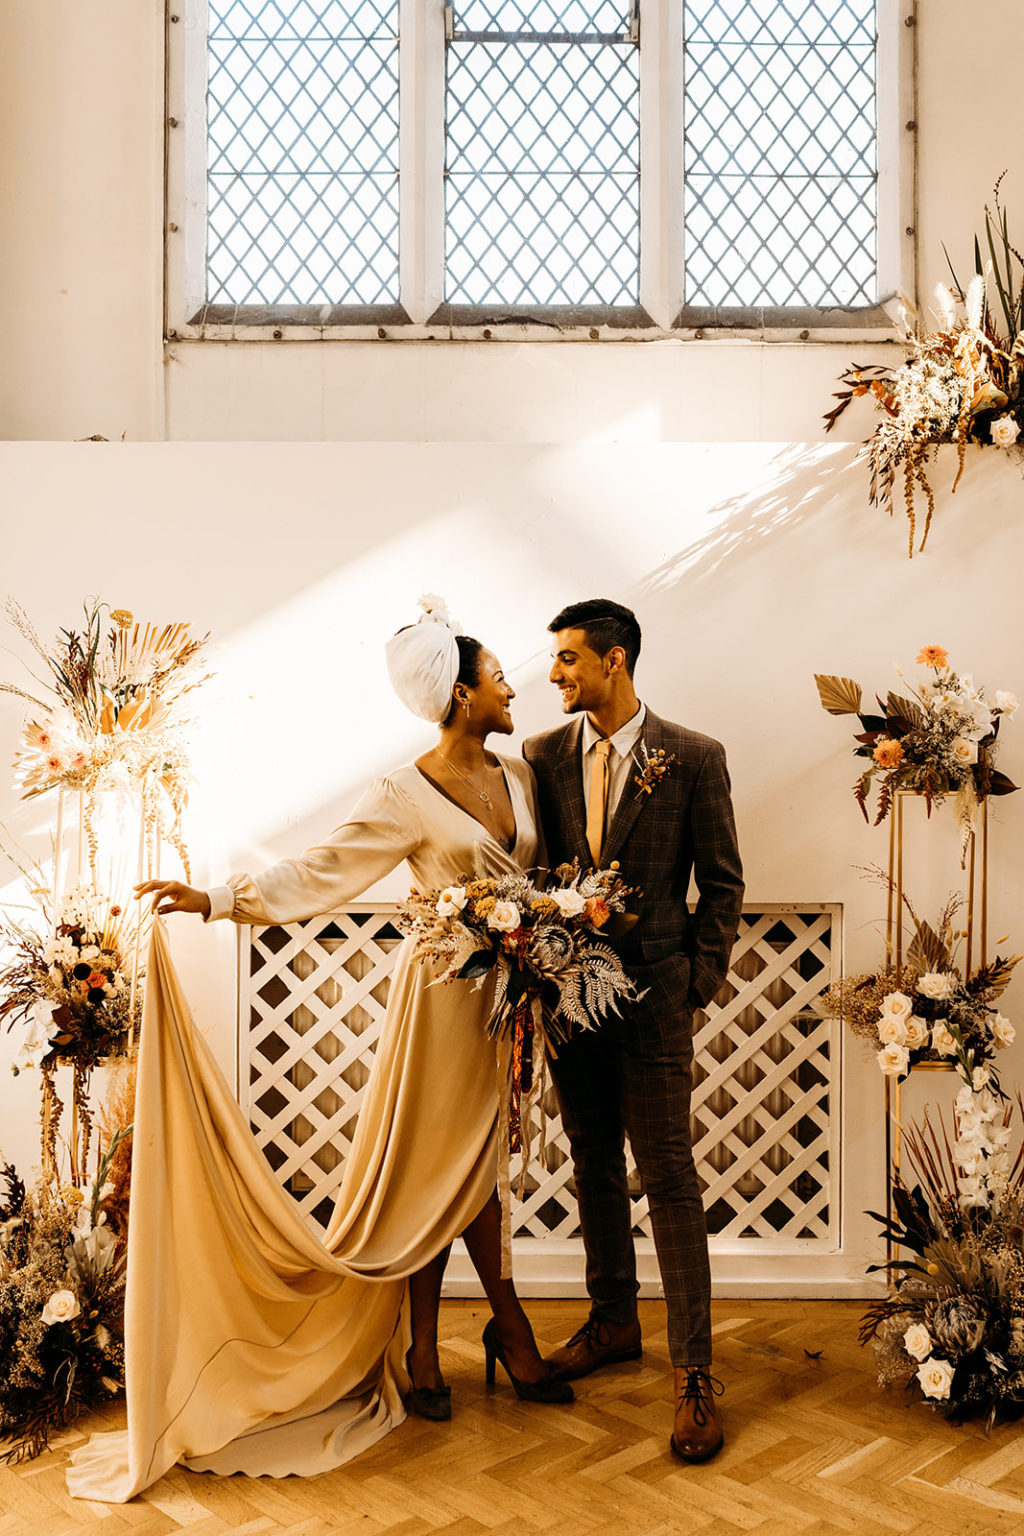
[72, 993]
[939, 740]
[927, 1010]
[963, 383]
[62, 1276]
[113, 715]
[953, 1329]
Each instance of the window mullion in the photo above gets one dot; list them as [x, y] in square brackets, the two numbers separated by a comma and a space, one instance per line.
[186, 161]
[897, 148]
[661, 159]
[421, 141]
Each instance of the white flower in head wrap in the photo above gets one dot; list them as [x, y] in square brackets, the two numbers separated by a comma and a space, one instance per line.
[436, 608]
[423, 661]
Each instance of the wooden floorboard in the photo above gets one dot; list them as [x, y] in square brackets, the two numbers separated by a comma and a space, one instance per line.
[814, 1448]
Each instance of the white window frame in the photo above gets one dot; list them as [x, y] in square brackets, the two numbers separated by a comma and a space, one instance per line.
[422, 213]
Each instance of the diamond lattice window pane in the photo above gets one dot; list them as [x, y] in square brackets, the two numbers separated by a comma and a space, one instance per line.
[543, 153]
[302, 113]
[781, 162]
[569, 17]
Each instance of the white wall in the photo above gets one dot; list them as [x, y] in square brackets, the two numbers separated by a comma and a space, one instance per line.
[751, 566]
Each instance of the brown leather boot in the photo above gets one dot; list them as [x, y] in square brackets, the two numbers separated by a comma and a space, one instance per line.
[597, 1343]
[696, 1434]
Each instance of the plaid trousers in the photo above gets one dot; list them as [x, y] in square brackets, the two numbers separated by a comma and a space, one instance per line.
[632, 1076]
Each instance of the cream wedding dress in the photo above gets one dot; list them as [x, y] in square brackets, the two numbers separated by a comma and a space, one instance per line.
[251, 1345]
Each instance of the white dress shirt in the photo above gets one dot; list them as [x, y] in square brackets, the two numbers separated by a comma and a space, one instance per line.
[620, 759]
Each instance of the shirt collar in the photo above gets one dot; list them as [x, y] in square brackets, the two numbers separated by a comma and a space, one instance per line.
[625, 738]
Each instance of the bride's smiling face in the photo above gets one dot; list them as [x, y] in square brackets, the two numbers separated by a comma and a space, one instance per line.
[490, 698]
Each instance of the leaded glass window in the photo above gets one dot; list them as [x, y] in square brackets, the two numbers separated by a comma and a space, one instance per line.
[302, 180]
[542, 196]
[781, 167]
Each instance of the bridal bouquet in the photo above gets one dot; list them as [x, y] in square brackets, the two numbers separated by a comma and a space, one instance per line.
[62, 1278]
[112, 714]
[939, 739]
[953, 1329]
[927, 1011]
[552, 971]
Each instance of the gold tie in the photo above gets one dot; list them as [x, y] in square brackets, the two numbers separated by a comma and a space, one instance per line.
[598, 798]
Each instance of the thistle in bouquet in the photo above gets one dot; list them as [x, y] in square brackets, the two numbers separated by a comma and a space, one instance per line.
[927, 1010]
[546, 945]
[952, 1328]
[938, 738]
[111, 711]
[62, 1276]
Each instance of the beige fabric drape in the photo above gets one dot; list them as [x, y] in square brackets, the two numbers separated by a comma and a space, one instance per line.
[250, 1344]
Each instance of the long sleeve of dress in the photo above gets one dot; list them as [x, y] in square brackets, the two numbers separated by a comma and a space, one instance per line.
[382, 830]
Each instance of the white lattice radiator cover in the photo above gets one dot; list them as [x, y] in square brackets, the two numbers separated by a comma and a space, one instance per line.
[766, 1121]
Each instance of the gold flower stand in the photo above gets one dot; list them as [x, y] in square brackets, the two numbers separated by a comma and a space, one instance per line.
[975, 865]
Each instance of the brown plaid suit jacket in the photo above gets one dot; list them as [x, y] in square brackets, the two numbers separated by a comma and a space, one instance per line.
[683, 828]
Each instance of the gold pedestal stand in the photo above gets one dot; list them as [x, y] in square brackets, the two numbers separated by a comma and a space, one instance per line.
[975, 863]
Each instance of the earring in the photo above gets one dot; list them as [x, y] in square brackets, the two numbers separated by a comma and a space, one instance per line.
[465, 705]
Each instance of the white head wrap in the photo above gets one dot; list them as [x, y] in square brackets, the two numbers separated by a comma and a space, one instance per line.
[423, 661]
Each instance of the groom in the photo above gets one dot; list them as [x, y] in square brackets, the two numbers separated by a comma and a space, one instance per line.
[619, 786]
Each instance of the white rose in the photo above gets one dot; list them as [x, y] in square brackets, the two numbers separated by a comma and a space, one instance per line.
[503, 917]
[937, 985]
[916, 1033]
[1003, 1032]
[896, 1005]
[61, 1308]
[917, 1341]
[893, 1060]
[1007, 703]
[451, 900]
[964, 752]
[892, 1031]
[1005, 432]
[935, 1376]
[943, 1041]
[569, 902]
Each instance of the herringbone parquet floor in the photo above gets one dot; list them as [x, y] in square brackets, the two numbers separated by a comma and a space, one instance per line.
[813, 1447]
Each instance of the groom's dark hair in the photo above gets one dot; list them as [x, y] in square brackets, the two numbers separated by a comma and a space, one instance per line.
[605, 624]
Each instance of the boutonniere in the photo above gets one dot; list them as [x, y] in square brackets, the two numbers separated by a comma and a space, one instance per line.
[654, 766]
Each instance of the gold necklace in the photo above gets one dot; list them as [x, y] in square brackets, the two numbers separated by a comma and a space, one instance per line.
[481, 794]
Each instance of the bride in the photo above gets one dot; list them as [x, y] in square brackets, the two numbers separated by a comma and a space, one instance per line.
[249, 1345]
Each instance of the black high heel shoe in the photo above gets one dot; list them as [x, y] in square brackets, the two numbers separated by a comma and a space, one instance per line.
[428, 1402]
[550, 1388]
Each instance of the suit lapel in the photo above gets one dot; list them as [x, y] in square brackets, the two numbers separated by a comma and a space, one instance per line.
[570, 791]
[632, 800]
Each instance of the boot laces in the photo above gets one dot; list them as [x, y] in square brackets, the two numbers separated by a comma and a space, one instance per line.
[701, 1396]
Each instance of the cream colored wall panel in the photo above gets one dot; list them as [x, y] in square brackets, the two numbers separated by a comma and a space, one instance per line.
[508, 392]
[81, 108]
